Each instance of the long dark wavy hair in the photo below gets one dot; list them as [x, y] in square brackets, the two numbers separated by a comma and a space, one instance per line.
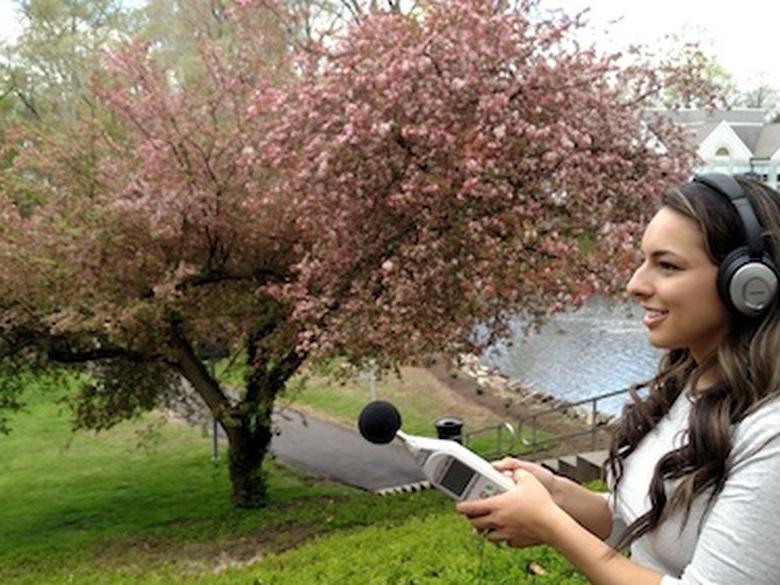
[747, 364]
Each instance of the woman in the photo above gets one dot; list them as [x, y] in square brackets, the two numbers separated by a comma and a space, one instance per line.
[694, 469]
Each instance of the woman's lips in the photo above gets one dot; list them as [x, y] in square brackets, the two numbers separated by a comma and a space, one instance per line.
[653, 317]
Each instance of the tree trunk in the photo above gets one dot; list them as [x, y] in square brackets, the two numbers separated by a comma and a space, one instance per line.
[249, 438]
[272, 360]
[247, 424]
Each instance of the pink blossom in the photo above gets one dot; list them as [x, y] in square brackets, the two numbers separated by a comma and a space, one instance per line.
[382, 196]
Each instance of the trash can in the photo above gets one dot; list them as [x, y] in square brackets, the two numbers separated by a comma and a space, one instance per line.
[450, 427]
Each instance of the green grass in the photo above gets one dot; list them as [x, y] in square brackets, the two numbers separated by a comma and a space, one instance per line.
[144, 504]
[418, 403]
[437, 549]
[66, 496]
[344, 403]
[417, 394]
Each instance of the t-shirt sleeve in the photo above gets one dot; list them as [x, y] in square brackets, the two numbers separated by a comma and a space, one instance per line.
[740, 538]
[618, 524]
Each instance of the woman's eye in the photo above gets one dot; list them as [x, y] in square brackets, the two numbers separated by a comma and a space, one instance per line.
[668, 266]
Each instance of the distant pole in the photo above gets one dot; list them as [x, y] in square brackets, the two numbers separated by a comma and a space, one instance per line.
[372, 380]
[215, 454]
[214, 422]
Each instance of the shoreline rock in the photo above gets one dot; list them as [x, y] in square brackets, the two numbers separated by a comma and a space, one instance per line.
[490, 379]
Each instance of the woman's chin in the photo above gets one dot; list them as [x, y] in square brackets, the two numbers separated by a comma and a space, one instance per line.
[659, 342]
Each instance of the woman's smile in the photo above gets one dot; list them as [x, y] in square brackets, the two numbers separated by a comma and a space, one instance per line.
[653, 317]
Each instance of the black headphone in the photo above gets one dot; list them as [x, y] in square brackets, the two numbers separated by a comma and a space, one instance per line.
[747, 276]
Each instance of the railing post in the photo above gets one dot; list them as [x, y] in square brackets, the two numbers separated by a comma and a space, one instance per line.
[511, 436]
[532, 420]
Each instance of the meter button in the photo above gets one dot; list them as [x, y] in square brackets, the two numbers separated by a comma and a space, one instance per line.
[488, 490]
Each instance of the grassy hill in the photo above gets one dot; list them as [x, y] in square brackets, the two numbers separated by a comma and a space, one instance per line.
[143, 503]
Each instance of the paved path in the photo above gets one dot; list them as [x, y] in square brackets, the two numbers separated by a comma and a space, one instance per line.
[331, 451]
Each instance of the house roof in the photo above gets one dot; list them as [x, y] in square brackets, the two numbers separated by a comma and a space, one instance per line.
[748, 134]
[699, 133]
[750, 125]
[748, 116]
[768, 142]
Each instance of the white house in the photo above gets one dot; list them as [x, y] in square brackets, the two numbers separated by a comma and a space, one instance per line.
[734, 141]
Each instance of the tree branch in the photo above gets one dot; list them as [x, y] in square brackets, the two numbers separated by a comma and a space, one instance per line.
[196, 373]
[215, 276]
[68, 356]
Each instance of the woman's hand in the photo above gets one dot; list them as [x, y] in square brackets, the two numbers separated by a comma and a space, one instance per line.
[520, 517]
[546, 477]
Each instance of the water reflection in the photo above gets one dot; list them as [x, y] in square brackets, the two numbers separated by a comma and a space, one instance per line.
[579, 354]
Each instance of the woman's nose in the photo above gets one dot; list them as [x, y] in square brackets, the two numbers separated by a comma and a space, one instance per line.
[639, 286]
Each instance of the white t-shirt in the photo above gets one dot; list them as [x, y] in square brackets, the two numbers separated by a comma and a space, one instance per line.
[737, 540]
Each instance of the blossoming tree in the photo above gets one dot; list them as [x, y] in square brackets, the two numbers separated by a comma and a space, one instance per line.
[380, 197]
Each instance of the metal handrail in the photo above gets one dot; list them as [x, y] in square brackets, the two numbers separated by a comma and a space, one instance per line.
[499, 429]
[596, 422]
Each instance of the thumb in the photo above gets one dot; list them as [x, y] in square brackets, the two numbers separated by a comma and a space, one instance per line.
[506, 464]
[521, 475]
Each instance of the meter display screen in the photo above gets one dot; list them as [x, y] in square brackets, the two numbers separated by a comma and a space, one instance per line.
[457, 477]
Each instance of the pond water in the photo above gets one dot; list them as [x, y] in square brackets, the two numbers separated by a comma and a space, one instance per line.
[579, 354]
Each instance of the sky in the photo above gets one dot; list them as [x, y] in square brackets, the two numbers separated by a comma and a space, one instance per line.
[743, 37]
[9, 25]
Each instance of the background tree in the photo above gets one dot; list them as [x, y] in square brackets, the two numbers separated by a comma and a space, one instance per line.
[703, 70]
[318, 21]
[423, 178]
[762, 95]
[47, 69]
[45, 77]
[179, 32]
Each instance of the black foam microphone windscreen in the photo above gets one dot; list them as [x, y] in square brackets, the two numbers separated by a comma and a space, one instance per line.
[379, 422]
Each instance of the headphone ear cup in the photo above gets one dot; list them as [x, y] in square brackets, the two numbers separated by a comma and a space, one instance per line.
[747, 285]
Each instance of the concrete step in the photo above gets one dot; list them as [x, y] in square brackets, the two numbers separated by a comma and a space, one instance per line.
[581, 467]
[590, 465]
[551, 464]
[567, 466]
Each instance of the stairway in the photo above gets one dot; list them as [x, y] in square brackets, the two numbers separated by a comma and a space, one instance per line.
[582, 467]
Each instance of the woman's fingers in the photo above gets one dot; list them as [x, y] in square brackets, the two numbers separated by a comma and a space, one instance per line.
[518, 516]
[483, 524]
[475, 508]
[507, 464]
[510, 465]
[496, 536]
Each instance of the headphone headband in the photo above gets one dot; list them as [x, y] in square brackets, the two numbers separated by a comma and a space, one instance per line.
[727, 186]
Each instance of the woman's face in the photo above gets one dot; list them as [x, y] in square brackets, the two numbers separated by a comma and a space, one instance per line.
[677, 287]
